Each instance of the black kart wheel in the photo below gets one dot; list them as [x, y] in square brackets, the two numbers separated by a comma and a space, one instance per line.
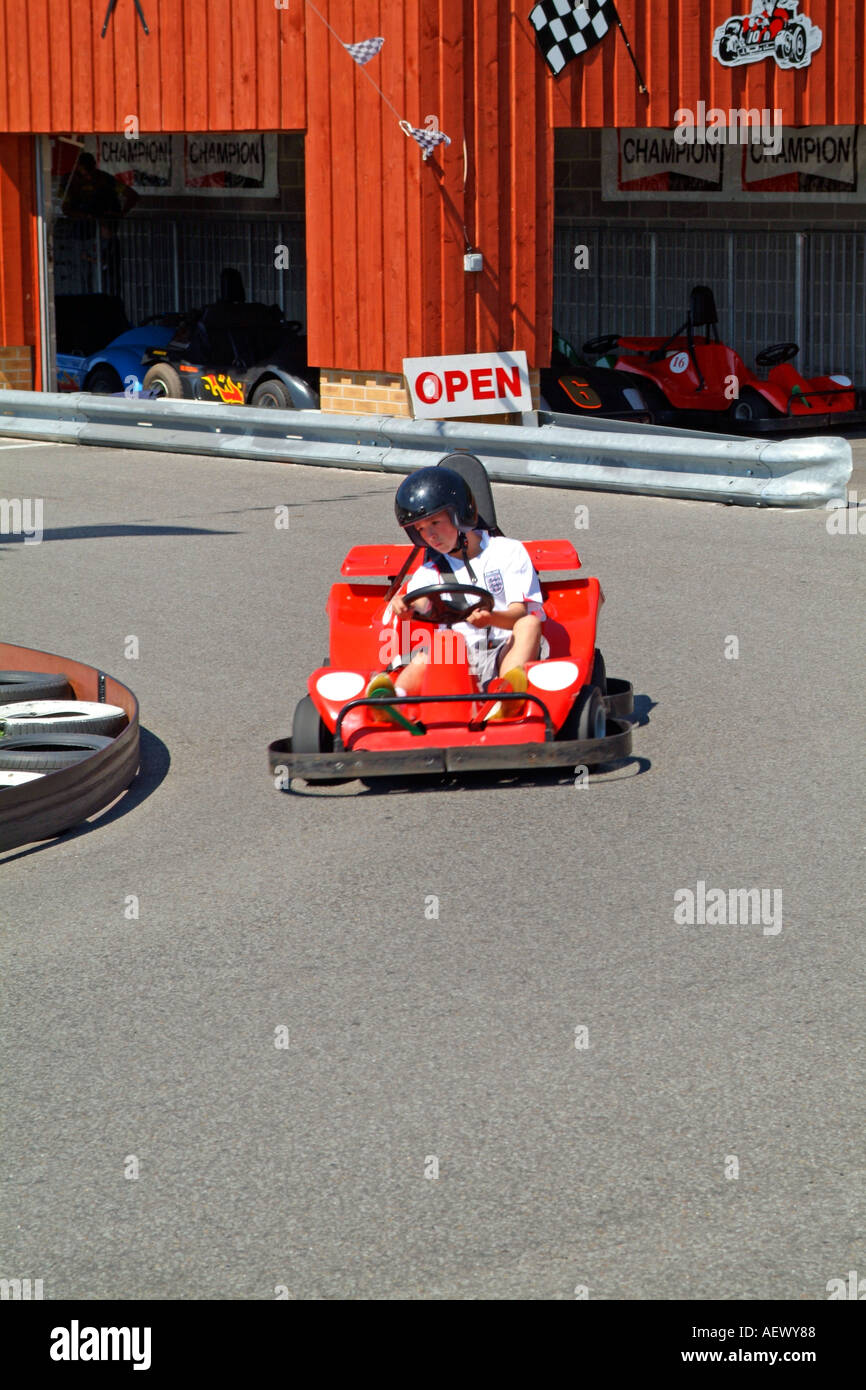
[272, 395]
[599, 673]
[32, 685]
[104, 381]
[163, 380]
[751, 405]
[310, 734]
[587, 717]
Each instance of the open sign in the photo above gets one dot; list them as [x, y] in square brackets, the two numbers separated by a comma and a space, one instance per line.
[479, 383]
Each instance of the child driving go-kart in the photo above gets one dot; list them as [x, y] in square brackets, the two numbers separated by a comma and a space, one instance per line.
[436, 508]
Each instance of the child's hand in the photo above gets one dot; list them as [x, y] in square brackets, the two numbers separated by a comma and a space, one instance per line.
[400, 606]
[480, 618]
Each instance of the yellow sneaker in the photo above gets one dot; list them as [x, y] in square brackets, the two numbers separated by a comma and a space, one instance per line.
[516, 680]
[380, 687]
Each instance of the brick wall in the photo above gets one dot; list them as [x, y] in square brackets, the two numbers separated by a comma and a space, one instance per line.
[577, 183]
[16, 369]
[363, 393]
[381, 393]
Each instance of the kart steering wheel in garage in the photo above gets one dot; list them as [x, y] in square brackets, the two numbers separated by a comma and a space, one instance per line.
[776, 354]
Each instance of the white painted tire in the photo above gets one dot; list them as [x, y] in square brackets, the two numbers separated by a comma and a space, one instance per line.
[17, 779]
[61, 717]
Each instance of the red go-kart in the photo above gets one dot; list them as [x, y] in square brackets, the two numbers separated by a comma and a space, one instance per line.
[572, 714]
[697, 373]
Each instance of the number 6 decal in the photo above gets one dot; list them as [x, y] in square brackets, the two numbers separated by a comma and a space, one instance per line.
[580, 392]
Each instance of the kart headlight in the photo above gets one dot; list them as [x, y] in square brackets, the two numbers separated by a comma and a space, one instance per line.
[340, 685]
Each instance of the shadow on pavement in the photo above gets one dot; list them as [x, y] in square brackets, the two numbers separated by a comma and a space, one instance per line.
[107, 532]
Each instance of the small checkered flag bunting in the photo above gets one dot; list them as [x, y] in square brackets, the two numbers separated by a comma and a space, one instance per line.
[565, 30]
[427, 139]
[365, 50]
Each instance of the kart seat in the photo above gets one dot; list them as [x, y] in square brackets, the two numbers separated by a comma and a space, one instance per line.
[702, 308]
[226, 333]
[702, 314]
[474, 474]
[231, 286]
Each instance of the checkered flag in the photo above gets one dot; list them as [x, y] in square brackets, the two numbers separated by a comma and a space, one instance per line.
[565, 29]
[365, 50]
[427, 139]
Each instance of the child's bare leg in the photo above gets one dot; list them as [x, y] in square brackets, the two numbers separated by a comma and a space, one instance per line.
[523, 645]
[409, 677]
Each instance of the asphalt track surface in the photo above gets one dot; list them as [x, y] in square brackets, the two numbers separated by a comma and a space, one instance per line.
[608, 1166]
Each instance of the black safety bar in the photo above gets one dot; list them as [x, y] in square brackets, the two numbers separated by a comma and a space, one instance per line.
[482, 697]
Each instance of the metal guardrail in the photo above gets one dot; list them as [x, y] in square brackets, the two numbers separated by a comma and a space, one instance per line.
[47, 806]
[551, 450]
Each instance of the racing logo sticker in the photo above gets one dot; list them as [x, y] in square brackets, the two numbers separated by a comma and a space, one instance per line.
[679, 362]
[230, 392]
[495, 582]
[774, 29]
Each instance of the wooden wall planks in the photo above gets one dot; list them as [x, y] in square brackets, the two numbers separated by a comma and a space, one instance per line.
[207, 65]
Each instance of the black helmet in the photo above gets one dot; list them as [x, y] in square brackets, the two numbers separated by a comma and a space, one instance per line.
[432, 490]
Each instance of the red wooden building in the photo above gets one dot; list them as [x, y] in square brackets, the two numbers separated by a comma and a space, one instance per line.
[386, 231]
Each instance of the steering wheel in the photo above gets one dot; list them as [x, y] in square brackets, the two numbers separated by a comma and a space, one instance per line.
[449, 613]
[777, 353]
[607, 343]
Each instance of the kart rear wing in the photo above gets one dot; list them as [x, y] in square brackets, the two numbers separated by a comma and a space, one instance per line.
[364, 561]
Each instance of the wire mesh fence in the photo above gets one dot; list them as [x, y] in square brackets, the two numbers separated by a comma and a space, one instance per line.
[806, 287]
[160, 264]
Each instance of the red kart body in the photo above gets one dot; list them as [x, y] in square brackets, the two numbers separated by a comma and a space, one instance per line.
[693, 372]
[762, 28]
[785, 390]
[571, 606]
[451, 725]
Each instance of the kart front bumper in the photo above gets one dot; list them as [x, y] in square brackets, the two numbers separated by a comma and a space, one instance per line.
[346, 765]
[787, 424]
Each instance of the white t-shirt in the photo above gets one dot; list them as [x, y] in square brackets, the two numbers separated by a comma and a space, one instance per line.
[504, 568]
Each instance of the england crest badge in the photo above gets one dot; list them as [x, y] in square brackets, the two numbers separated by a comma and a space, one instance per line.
[495, 582]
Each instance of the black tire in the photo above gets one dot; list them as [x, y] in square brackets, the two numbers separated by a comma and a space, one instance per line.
[104, 381]
[32, 685]
[599, 673]
[587, 717]
[164, 380]
[272, 394]
[24, 719]
[34, 753]
[751, 405]
[311, 735]
[798, 43]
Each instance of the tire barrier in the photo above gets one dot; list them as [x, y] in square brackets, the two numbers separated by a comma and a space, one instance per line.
[51, 781]
[551, 451]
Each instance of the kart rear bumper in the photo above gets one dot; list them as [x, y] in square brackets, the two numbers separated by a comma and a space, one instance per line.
[344, 766]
